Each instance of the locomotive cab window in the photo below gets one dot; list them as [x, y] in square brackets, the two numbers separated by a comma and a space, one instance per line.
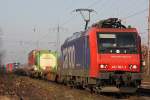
[107, 40]
[114, 42]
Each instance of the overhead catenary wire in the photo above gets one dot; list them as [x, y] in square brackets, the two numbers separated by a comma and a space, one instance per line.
[72, 17]
[94, 3]
[27, 42]
[136, 13]
[129, 16]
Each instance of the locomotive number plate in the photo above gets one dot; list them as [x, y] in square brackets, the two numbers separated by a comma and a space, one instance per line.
[119, 67]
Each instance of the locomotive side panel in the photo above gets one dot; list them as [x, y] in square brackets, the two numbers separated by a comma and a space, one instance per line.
[76, 59]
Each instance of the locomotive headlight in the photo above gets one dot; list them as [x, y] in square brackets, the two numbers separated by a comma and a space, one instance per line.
[102, 66]
[134, 67]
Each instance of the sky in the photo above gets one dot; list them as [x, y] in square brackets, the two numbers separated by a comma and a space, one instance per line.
[29, 24]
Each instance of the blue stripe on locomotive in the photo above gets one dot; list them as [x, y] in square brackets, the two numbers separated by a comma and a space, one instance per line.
[82, 52]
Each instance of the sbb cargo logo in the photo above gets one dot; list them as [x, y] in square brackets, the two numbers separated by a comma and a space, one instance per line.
[69, 57]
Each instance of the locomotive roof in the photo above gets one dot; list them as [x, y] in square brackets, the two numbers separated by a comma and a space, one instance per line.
[75, 36]
[110, 24]
[84, 33]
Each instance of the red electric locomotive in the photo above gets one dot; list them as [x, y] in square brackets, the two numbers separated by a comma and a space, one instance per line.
[106, 55]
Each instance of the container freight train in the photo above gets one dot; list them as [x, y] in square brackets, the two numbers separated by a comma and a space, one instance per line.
[106, 55]
[41, 64]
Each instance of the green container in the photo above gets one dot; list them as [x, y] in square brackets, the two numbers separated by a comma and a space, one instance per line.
[46, 59]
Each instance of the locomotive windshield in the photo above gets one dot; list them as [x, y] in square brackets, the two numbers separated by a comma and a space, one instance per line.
[117, 42]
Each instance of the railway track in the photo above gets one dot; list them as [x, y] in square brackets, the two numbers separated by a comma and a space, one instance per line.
[59, 91]
[142, 93]
[25, 88]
